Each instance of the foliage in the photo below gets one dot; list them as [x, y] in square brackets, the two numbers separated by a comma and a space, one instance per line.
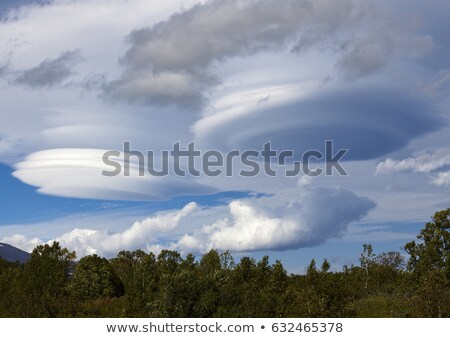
[432, 252]
[95, 278]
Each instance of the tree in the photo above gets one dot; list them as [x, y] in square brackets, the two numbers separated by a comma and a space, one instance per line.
[432, 252]
[95, 278]
[367, 260]
[432, 294]
[168, 261]
[325, 266]
[227, 260]
[45, 279]
[392, 259]
[311, 270]
[210, 263]
[10, 291]
[138, 272]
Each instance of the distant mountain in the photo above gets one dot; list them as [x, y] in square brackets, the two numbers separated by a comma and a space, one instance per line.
[13, 254]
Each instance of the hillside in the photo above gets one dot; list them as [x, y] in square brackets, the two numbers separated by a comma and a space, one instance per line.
[13, 254]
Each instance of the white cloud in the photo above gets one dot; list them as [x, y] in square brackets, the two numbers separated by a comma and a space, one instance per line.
[22, 242]
[266, 223]
[78, 173]
[140, 235]
[313, 217]
[442, 179]
[424, 162]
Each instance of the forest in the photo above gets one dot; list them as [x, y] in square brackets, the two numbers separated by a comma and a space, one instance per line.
[52, 283]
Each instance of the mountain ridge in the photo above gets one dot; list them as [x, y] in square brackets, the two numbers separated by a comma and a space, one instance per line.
[13, 254]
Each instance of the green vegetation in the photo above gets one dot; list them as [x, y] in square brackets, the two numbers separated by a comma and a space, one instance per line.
[139, 284]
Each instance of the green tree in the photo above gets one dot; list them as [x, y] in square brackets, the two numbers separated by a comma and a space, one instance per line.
[10, 290]
[432, 251]
[325, 266]
[138, 272]
[45, 280]
[95, 278]
[432, 297]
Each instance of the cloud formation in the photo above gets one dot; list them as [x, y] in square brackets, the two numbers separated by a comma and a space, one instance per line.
[278, 222]
[424, 162]
[182, 50]
[50, 72]
[265, 224]
[367, 119]
[78, 173]
[139, 236]
[442, 179]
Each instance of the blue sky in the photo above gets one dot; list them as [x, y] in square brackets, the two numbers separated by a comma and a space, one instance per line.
[79, 78]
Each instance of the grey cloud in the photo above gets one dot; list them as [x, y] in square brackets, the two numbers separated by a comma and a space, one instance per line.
[431, 17]
[370, 121]
[186, 46]
[50, 72]
[221, 29]
[4, 70]
[8, 5]
[147, 88]
[365, 55]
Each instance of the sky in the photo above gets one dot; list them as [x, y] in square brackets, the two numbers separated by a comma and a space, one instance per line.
[79, 78]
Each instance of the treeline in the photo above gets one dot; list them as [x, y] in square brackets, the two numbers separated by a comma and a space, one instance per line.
[139, 284]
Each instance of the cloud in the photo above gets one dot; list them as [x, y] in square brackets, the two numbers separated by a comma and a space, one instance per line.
[424, 162]
[78, 173]
[185, 47]
[439, 84]
[4, 70]
[188, 47]
[50, 72]
[370, 53]
[140, 235]
[8, 147]
[21, 242]
[6, 6]
[442, 179]
[216, 30]
[265, 223]
[368, 119]
[87, 241]
[315, 216]
[144, 87]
